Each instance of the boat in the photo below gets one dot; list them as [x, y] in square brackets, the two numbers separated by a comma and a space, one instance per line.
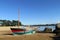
[19, 30]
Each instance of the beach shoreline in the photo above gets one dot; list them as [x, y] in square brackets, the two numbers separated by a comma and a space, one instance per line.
[5, 35]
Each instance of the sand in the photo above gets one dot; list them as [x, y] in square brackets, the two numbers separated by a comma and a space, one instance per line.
[5, 35]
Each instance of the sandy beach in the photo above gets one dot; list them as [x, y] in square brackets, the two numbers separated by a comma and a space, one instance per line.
[6, 34]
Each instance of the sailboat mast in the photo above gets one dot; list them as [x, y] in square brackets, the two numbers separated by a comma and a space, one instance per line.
[18, 17]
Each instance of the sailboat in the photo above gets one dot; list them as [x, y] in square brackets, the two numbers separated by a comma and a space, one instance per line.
[19, 30]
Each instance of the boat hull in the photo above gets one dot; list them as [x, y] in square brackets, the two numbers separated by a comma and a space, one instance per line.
[18, 31]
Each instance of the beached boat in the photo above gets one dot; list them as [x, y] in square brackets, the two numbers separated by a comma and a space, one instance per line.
[17, 30]
[20, 31]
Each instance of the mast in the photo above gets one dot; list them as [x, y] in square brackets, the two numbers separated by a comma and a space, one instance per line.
[18, 17]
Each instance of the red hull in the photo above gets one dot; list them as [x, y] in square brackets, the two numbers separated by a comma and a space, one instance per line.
[17, 30]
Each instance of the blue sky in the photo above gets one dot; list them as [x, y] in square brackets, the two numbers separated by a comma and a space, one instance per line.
[31, 11]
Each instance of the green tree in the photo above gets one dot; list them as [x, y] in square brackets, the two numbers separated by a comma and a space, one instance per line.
[15, 23]
[10, 23]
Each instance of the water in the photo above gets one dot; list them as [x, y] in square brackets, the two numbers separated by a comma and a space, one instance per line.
[41, 28]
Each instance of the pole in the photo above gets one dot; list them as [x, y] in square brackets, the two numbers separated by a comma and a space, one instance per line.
[18, 17]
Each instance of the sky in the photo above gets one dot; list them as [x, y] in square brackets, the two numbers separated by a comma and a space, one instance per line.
[31, 11]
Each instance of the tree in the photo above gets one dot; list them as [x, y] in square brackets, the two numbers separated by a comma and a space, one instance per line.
[9, 23]
[15, 23]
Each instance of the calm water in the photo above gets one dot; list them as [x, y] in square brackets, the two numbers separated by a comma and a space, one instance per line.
[41, 28]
